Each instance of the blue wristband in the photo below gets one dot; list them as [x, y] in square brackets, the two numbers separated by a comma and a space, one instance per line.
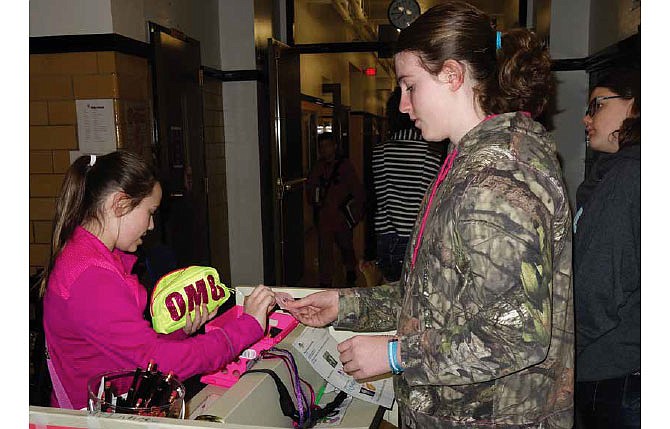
[393, 361]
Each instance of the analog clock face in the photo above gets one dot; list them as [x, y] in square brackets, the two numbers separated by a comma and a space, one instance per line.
[402, 13]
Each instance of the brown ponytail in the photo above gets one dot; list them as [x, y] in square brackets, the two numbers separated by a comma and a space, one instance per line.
[87, 183]
[516, 77]
[523, 81]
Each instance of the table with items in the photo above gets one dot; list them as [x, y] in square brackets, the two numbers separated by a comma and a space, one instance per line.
[260, 389]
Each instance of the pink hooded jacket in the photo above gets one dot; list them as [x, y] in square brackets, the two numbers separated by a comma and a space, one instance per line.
[93, 323]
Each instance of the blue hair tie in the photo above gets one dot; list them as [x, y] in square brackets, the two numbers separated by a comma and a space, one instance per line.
[498, 39]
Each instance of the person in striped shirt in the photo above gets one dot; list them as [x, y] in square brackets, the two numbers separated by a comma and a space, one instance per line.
[403, 166]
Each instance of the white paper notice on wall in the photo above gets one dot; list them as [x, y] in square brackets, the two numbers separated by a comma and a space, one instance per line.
[96, 127]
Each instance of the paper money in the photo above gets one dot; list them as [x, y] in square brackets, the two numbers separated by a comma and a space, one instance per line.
[282, 298]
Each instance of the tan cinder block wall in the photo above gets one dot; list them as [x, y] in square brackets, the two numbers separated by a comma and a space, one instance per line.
[215, 158]
[56, 81]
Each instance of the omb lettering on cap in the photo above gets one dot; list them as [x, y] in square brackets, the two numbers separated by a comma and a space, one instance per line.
[180, 292]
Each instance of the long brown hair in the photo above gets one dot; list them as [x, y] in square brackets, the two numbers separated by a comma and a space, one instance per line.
[87, 183]
[516, 77]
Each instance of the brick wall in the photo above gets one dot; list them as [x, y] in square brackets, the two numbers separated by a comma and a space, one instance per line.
[56, 81]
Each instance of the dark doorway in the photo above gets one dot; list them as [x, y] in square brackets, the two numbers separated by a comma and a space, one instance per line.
[182, 225]
[286, 155]
[291, 241]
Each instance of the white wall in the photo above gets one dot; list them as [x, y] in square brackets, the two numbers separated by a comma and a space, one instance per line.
[197, 19]
[68, 17]
[240, 112]
[129, 19]
[569, 39]
[569, 29]
[571, 96]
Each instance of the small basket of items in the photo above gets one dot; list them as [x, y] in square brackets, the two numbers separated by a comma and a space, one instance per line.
[141, 392]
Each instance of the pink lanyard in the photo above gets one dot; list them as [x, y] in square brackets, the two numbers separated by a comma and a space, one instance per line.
[446, 166]
[59, 390]
[440, 178]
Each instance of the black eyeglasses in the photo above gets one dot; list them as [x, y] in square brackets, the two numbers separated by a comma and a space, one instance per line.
[594, 105]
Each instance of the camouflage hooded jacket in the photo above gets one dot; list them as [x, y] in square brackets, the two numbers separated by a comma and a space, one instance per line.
[485, 316]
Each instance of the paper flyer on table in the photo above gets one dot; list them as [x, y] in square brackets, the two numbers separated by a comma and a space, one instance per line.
[320, 350]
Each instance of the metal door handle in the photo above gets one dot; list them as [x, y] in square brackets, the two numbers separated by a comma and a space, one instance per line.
[287, 186]
[291, 183]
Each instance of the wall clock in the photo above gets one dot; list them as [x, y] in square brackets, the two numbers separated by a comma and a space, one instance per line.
[402, 13]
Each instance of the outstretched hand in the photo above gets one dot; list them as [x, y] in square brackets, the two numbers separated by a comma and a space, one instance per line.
[317, 309]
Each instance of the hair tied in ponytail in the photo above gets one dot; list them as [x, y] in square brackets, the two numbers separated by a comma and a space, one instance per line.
[498, 39]
[92, 161]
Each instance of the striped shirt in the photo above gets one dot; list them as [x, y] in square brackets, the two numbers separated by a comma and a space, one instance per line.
[402, 168]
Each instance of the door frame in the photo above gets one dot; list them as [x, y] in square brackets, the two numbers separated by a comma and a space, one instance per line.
[160, 144]
[280, 126]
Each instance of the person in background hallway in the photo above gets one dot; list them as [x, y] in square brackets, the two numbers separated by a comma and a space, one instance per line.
[403, 166]
[338, 198]
[483, 308]
[607, 259]
[93, 305]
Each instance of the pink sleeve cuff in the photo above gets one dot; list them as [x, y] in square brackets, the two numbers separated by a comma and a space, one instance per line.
[244, 332]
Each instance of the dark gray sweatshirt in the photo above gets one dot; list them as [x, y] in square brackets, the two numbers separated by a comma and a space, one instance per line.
[607, 268]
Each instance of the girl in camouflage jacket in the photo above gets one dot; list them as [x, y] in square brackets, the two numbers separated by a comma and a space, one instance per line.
[483, 309]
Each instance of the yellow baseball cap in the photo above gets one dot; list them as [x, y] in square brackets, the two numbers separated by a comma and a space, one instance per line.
[180, 292]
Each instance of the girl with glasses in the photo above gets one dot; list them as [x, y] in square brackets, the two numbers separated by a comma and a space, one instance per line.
[607, 259]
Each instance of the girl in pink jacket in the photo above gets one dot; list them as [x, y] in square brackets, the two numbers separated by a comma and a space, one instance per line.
[93, 305]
